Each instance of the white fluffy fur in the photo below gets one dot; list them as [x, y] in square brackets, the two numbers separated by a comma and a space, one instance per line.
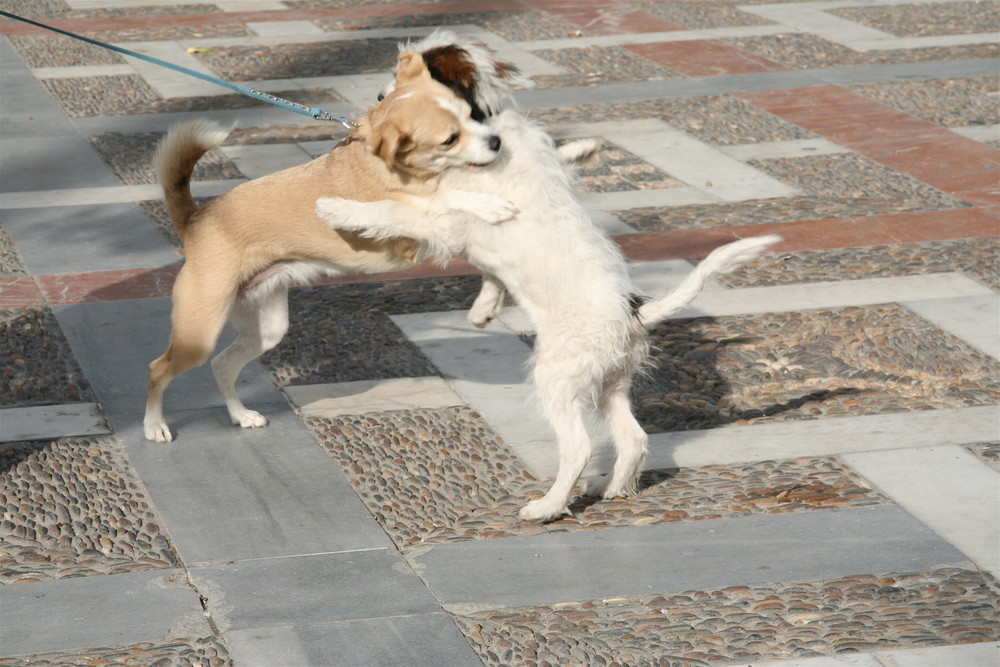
[570, 279]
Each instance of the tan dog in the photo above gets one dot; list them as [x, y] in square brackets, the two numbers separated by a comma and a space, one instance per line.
[245, 248]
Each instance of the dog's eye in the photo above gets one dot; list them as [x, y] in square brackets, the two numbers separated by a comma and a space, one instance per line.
[450, 141]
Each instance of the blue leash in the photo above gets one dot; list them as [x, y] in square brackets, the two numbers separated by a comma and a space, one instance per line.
[314, 112]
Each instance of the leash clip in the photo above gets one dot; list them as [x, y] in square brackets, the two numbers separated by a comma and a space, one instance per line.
[326, 115]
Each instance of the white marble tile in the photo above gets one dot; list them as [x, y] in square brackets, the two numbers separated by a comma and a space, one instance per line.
[284, 28]
[51, 421]
[729, 445]
[346, 398]
[946, 487]
[975, 319]
[42, 73]
[775, 150]
[804, 296]
[981, 133]
[983, 654]
[701, 166]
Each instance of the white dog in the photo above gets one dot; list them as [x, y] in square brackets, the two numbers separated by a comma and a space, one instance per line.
[567, 275]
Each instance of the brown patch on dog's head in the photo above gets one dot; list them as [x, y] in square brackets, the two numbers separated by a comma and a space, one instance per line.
[452, 65]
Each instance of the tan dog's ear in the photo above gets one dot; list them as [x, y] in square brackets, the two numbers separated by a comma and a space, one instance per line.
[386, 141]
[411, 66]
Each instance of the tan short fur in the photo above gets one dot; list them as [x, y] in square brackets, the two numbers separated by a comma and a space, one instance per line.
[243, 249]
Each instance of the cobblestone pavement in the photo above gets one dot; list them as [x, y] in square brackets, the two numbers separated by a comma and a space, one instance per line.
[822, 483]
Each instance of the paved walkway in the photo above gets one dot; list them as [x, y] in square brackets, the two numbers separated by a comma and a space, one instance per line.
[822, 486]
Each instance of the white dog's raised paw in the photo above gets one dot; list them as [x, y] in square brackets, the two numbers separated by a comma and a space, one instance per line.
[337, 212]
[542, 510]
[489, 208]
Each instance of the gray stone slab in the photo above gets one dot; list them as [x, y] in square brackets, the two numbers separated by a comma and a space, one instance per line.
[424, 639]
[34, 163]
[226, 493]
[309, 590]
[105, 610]
[26, 108]
[940, 69]
[114, 341]
[87, 238]
[681, 556]
[39, 147]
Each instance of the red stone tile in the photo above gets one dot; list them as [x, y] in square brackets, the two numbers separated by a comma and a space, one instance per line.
[704, 57]
[60, 288]
[19, 292]
[825, 234]
[928, 152]
[304, 14]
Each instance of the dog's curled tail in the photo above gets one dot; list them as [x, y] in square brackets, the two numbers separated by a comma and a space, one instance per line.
[174, 163]
[721, 260]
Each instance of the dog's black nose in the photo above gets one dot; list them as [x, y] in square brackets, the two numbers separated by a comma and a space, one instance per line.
[381, 96]
[494, 143]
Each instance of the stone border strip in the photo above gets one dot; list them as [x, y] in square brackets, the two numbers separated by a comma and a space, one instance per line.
[51, 421]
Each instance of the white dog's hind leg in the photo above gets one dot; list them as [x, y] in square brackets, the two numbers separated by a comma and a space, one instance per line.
[260, 324]
[488, 303]
[629, 439]
[563, 409]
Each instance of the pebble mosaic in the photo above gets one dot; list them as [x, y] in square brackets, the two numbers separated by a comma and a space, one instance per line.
[702, 15]
[39, 367]
[806, 51]
[613, 169]
[517, 26]
[130, 156]
[73, 507]
[100, 95]
[593, 65]
[926, 19]
[435, 476]
[11, 262]
[854, 361]
[709, 118]
[947, 102]
[343, 333]
[739, 624]
[288, 61]
[977, 258]
[207, 652]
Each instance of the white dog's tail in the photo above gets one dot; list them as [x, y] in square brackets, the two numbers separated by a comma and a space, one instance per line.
[721, 260]
[174, 162]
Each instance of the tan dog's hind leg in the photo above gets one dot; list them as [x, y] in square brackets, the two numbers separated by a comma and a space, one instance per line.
[199, 313]
[261, 321]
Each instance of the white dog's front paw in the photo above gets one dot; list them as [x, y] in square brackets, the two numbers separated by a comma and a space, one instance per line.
[543, 510]
[337, 212]
[497, 210]
[489, 208]
[249, 419]
[157, 431]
